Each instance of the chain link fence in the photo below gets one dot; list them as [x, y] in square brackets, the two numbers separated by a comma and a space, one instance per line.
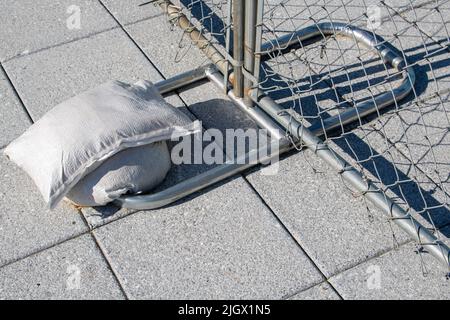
[312, 59]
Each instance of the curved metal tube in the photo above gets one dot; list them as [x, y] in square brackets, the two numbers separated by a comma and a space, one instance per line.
[370, 40]
[203, 180]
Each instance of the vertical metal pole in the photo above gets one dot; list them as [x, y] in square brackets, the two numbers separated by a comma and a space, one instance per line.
[251, 7]
[258, 45]
[238, 47]
[228, 45]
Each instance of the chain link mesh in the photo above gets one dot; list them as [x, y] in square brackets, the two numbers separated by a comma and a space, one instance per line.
[405, 148]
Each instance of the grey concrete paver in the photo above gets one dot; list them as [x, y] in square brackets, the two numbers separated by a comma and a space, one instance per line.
[421, 133]
[69, 69]
[28, 26]
[129, 12]
[49, 77]
[223, 244]
[26, 224]
[208, 111]
[331, 224]
[13, 118]
[396, 275]
[99, 216]
[173, 53]
[74, 269]
[207, 102]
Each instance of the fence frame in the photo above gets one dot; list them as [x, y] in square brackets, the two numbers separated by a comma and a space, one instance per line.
[248, 52]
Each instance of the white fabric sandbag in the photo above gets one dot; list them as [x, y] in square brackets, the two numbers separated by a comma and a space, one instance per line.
[131, 171]
[78, 135]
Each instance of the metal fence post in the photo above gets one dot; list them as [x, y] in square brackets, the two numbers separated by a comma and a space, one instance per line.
[238, 47]
[251, 7]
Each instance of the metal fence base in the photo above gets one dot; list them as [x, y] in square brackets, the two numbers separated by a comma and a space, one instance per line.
[269, 115]
[232, 167]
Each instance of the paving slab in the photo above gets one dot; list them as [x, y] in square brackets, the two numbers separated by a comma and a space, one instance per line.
[26, 224]
[166, 68]
[322, 291]
[207, 102]
[13, 118]
[138, 32]
[331, 224]
[162, 45]
[429, 56]
[223, 244]
[431, 19]
[49, 77]
[397, 275]
[27, 27]
[70, 69]
[419, 131]
[129, 12]
[74, 269]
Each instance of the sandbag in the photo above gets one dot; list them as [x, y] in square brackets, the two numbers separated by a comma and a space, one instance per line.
[131, 171]
[78, 135]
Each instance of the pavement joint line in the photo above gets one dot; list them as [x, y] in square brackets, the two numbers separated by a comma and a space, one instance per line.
[94, 238]
[313, 286]
[90, 35]
[60, 44]
[104, 255]
[16, 93]
[380, 253]
[110, 267]
[374, 257]
[36, 252]
[285, 228]
[335, 290]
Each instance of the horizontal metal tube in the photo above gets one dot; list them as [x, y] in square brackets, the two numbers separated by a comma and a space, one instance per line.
[352, 176]
[333, 28]
[203, 180]
[182, 80]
